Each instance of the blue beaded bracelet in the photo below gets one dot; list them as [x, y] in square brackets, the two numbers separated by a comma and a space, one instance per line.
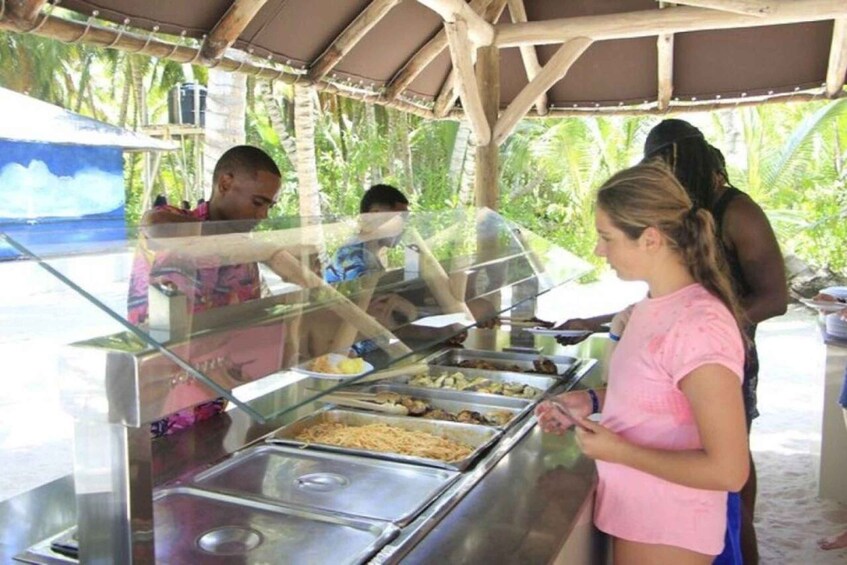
[595, 402]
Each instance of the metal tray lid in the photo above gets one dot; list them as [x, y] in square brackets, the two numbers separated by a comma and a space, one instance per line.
[356, 486]
[198, 527]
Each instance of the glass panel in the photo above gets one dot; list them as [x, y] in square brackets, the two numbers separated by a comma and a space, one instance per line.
[207, 307]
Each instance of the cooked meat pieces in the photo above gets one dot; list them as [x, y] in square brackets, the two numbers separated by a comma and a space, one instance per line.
[470, 417]
[478, 364]
[545, 366]
[439, 414]
[415, 406]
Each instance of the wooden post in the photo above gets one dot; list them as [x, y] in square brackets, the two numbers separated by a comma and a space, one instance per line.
[487, 156]
[837, 58]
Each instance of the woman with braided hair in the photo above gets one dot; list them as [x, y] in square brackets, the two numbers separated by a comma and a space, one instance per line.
[752, 254]
[671, 441]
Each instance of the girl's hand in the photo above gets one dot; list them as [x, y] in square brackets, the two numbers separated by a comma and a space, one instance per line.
[601, 443]
[554, 421]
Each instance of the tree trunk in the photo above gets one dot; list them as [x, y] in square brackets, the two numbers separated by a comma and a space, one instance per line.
[307, 171]
[278, 121]
[226, 100]
[466, 190]
[458, 158]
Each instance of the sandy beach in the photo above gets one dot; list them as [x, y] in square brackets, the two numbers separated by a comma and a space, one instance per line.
[786, 445]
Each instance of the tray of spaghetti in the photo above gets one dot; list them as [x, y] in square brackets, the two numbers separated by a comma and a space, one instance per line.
[436, 443]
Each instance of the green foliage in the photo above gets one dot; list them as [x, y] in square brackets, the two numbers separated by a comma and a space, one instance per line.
[792, 159]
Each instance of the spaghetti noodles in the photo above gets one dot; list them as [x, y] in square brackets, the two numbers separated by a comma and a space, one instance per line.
[382, 437]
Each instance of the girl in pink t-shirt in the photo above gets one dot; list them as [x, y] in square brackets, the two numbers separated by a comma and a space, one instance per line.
[672, 439]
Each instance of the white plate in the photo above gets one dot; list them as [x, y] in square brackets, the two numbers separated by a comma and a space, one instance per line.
[334, 358]
[824, 305]
[444, 320]
[557, 333]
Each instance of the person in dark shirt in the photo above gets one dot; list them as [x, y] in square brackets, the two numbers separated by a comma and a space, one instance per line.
[750, 249]
[359, 258]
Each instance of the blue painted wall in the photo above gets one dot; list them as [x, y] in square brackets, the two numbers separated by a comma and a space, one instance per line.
[58, 198]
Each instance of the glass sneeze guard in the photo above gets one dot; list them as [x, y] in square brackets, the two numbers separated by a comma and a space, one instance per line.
[208, 307]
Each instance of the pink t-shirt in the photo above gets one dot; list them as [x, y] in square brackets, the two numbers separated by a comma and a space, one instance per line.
[666, 338]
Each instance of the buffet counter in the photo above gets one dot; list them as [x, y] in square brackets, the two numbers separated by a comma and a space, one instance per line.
[527, 499]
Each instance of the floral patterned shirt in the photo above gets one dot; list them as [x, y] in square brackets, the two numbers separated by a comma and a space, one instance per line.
[206, 284]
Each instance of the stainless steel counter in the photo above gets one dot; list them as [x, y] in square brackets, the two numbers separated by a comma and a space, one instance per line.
[520, 504]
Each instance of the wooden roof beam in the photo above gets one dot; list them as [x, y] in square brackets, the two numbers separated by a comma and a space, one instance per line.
[25, 11]
[424, 56]
[351, 35]
[745, 7]
[664, 49]
[646, 23]
[236, 19]
[837, 68]
[480, 32]
[460, 52]
[448, 94]
[556, 68]
[517, 11]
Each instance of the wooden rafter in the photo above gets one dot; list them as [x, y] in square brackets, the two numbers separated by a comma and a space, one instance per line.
[746, 7]
[448, 94]
[517, 11]
[71, 31]
[480, 32]
[460, 53]
[424, 56]
[556, 68]
[229, 27]
[25, 11]
[837, 68]
[647, 23]
[664, 49]
[348, 39]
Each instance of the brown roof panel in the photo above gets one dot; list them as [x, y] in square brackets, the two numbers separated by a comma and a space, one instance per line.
[298, 30]
[431, 79]
[173, 17]
[391, 42]
[752, 60]
[609, 72]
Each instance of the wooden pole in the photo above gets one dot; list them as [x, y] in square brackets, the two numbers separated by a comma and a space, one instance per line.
[517, 11]
[449, 93]
[646, 23]
[837, 68]
[229, 27]
[556, 68]
[664, 52]
[25, 11]
[480, 32]
[460, 53]
[487, 155]
[424, 56]
[746, 7]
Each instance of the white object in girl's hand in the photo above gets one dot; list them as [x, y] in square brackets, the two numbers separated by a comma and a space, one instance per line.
[557, 333]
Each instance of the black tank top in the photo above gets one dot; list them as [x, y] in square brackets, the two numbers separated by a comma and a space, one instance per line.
[731, 256]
